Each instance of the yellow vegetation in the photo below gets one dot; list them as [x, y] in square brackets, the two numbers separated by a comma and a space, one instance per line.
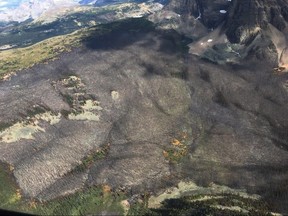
[15, 198]
[179, 148]
[11, 167]
[106, 190]
[32, 204]
[176, 142]
[165, 154]
[18, 194]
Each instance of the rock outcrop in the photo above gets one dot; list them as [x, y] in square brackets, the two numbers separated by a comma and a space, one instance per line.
[247, 17]
[246, 22]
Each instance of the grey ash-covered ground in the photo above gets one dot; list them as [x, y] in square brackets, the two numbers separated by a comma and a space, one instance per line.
[146, 91]
[135, 113]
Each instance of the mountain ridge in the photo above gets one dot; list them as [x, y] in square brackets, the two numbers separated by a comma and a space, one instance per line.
[256, 29]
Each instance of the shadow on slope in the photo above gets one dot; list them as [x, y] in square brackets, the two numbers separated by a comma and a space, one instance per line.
[119, 34]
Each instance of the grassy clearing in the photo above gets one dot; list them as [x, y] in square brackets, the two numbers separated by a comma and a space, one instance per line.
[10, 196]
[21, 58]
[16, 59]
[91, 201]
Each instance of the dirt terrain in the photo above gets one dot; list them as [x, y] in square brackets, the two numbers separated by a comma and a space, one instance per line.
[141, 108]
[143, 97]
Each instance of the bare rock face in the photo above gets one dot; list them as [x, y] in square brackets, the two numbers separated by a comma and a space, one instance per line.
[258, 26]
[207, 10]
[246, 16]
[196, 18]
[240, 17]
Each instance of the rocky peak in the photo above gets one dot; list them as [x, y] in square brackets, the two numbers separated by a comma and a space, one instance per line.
[239, 16]
[258, 28]
[252, 15]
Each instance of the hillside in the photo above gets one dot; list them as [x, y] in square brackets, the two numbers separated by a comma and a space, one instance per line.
[144, 108]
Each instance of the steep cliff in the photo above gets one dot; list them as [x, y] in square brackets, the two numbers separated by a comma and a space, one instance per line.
[247, 15]
[259, 27]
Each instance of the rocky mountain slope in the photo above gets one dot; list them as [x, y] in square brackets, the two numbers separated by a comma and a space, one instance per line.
[141, 104]
[252, 29]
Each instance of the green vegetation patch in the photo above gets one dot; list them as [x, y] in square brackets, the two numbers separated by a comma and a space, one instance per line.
[21, 58]
[178, 148]
[5, 125]
[16, 59]
[140, 207]
[10, 195]
[101, 199]
[98, 154]
[37, 109]
[91, 201]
